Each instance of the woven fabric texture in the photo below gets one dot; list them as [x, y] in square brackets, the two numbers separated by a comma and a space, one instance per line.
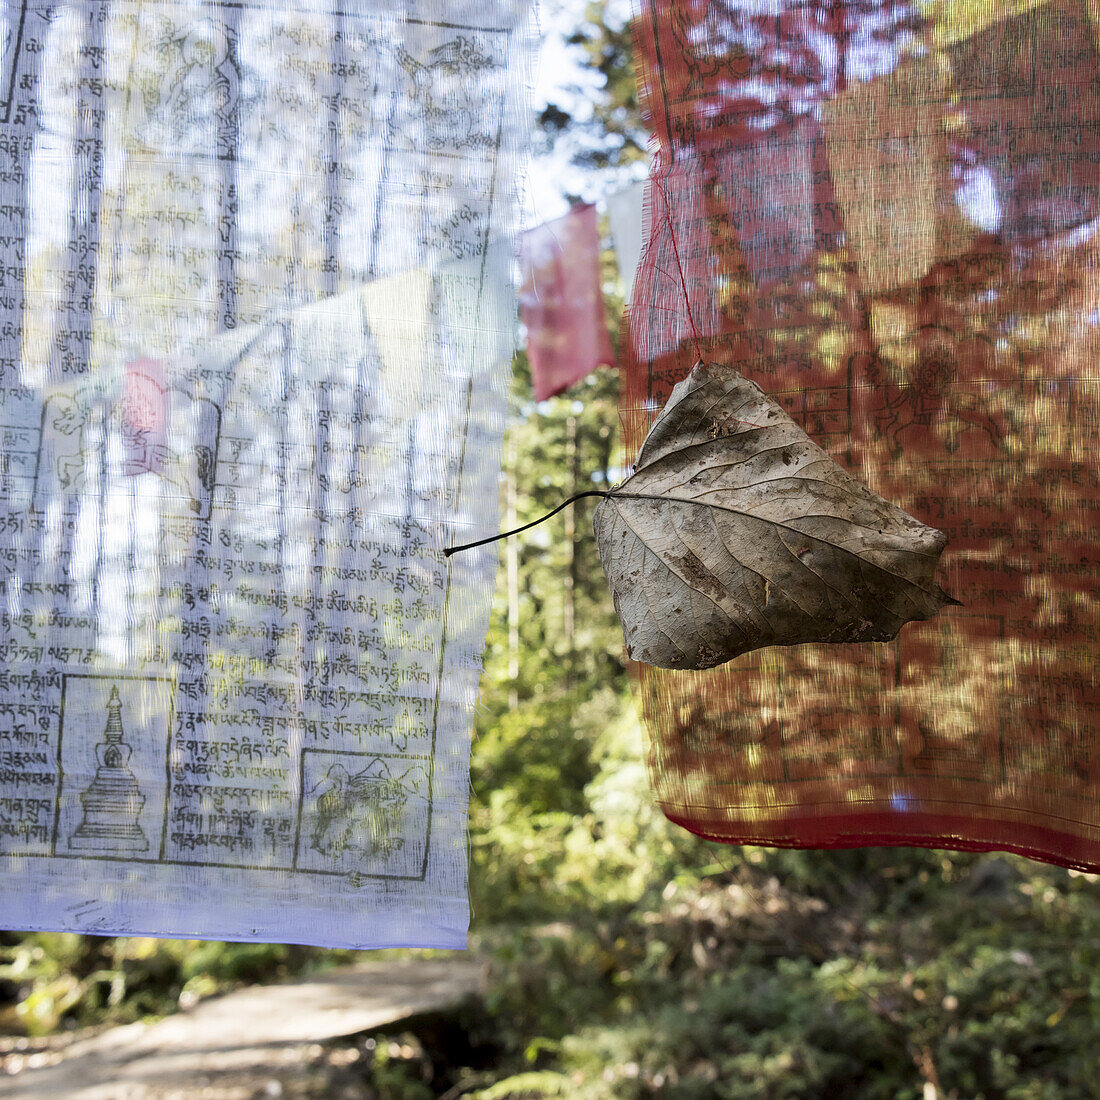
[257, 319]
[885, 214]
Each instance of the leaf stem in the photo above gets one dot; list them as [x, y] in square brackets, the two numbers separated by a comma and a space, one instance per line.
[449, 550]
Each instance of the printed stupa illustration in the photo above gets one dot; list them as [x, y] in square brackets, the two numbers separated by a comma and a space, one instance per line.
[113, 802]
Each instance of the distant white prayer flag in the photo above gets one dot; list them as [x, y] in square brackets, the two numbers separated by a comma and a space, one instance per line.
[256, 384]
[626, 214]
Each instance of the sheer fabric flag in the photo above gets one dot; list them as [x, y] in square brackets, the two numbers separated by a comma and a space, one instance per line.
[561, 302]
[257, 325]
[918, 290]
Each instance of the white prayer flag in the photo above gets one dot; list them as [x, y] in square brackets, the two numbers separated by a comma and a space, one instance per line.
[626, 214]
[254, 359]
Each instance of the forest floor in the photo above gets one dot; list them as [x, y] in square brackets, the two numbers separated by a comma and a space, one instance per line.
[297, 1039]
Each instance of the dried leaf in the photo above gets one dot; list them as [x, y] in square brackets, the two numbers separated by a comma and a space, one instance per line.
[736, 531]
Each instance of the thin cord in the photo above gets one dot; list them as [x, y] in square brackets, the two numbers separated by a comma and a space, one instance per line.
[449, 550]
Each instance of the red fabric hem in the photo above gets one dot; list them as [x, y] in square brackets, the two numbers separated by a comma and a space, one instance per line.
[923, 831]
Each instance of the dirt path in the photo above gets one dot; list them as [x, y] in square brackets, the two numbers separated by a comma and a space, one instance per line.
[265, 1041]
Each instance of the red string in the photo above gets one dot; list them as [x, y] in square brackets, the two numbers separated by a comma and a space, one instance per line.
[679, 267]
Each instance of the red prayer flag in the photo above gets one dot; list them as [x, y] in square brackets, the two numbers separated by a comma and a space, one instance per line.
[936, 333]
[561, 303]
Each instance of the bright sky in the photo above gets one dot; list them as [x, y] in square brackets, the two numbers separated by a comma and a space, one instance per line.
[563, 76]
